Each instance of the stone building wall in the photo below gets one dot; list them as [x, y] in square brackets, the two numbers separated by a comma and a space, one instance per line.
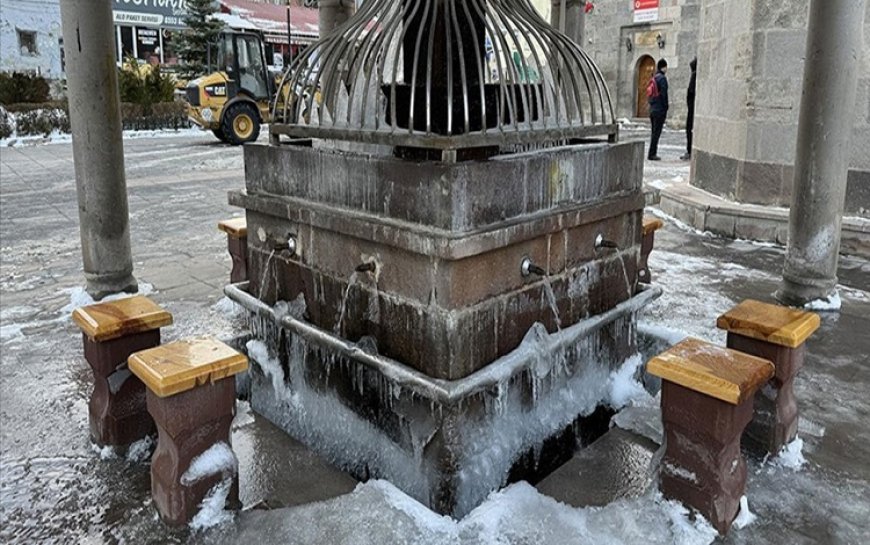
[609, 29]
[41, 17]
[750, 73]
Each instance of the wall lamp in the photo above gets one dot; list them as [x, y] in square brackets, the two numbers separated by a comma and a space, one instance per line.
[660, 41]
[628, 44]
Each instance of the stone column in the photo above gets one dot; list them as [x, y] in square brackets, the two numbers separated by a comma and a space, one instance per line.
[333, 13]
[98, 151]
[575, 18]
[834, 43]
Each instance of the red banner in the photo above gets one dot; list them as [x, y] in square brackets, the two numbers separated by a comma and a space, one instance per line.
[645, 4]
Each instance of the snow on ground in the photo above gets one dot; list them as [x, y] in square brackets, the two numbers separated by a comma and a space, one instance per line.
[378, 513]
[57, 137]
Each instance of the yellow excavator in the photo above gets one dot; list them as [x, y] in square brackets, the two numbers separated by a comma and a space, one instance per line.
[234, 100]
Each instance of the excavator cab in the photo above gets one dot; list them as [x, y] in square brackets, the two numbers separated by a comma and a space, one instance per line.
[233, 99]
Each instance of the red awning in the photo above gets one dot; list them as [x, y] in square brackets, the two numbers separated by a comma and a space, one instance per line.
[271, 19]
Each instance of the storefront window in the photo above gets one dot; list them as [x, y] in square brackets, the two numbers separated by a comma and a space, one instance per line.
[126, 43]
[148, 45]
[169, 54]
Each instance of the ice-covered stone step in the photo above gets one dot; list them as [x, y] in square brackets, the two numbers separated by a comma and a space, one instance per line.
[616, 466]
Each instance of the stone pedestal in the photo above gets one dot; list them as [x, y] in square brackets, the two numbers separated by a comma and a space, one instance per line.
[191, 395]
[777, 334]
[648, 234]
[111, 332]
[237, 246]
[707, 401]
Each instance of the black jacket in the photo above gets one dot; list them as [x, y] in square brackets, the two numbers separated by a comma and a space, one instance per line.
[659, 105]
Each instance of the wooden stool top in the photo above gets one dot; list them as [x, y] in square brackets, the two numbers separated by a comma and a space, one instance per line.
[771, 323]
[113, 319]
[179, 366]
[236, 227]
[650, 224]
[718, 372]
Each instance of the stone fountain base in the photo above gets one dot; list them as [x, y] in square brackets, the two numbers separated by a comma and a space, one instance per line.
[446, 443]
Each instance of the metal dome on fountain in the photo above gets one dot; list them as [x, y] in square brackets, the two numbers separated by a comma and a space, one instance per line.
[444, 74]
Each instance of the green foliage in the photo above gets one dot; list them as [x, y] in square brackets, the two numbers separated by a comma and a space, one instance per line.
[7, 123]
[144, 84]
[22, 120]
[19, 87]
[193, 42]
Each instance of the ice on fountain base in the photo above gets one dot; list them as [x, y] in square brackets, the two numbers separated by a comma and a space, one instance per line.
[377, 512]
[563, 385]
[327, 425]
[228, 308]
[643, 417]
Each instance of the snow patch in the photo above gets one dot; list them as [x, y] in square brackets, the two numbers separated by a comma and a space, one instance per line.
[681, 472]
[218, 459]
[244, 415]
[791, 456]
[829, 303]
[105, 453]
[228, 308]
[81, 298]
[211, 510]
[745, 517]
[140, 450]
[624, 387]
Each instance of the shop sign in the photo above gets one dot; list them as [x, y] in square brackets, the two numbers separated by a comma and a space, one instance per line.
[165, 13]
[147, 36]
[646, 11]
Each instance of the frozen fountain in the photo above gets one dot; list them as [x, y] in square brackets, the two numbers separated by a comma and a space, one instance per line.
[443, 243]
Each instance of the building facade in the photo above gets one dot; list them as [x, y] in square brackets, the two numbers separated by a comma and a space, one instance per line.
[750, 74]
[627, 43]
[30, 37]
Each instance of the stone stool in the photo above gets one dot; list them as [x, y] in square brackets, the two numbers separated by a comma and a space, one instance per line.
[237, 245]
[650, 226]
[191, 395]
[777, 334]
[707, 395]
[111, 332]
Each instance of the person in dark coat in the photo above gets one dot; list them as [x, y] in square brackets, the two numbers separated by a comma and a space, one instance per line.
[658, 108]
[690, 118]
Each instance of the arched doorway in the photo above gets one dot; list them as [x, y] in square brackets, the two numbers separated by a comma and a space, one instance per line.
[646, 68]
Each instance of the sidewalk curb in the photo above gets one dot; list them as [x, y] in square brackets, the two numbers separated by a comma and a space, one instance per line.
[719, 216]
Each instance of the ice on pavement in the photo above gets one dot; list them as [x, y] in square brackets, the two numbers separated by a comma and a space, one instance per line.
[830, 303]
[745, 517]
[377, 513]
[140, 450]
[791, 456]
[212, 512]
[81, 298]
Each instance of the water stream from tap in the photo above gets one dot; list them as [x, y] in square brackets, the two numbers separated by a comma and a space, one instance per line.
[343, 308]
[551, 300]
[263, 278]
[625, 274]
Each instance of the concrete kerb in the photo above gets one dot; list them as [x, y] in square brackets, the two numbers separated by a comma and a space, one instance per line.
[707, 212]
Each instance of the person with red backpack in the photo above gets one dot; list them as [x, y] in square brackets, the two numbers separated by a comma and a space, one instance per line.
[657, 96]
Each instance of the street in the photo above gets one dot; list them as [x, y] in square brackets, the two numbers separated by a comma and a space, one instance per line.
[54, 487]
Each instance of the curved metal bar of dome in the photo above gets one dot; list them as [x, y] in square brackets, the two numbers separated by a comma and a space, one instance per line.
[544, 88]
